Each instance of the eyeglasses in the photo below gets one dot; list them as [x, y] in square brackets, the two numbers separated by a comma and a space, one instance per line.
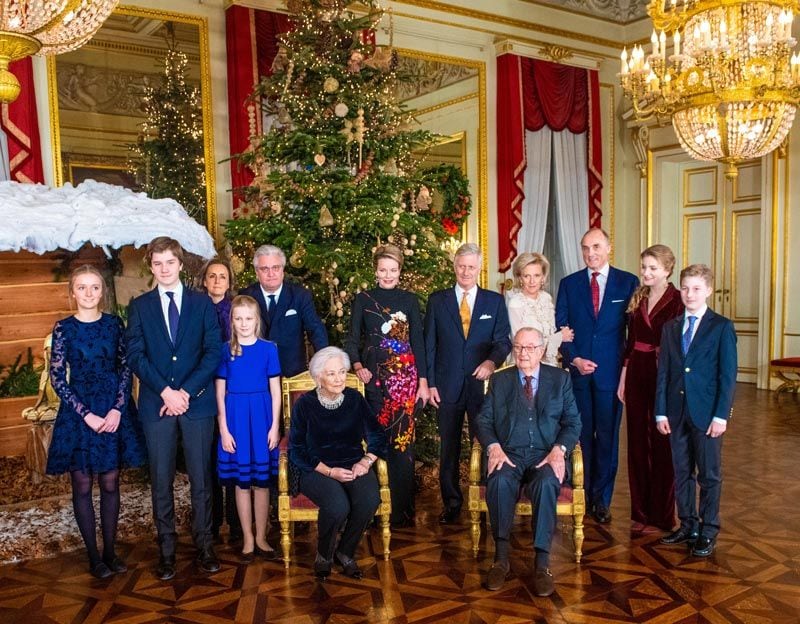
[526, 348]
[270, 269]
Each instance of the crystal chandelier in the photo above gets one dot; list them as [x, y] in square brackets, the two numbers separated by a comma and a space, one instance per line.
[44, 27]
[731, 85]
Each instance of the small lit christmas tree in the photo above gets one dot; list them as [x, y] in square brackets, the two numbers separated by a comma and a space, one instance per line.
[334, 171]
[168, 160]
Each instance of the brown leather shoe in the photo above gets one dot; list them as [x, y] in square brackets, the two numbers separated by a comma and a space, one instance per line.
[543, 584]
[497, 575]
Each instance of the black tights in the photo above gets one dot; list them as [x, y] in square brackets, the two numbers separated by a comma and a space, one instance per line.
[83, 507]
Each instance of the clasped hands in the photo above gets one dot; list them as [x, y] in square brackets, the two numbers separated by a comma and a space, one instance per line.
[107, 424]
[497, 457]
[359, 469]
[176, 402]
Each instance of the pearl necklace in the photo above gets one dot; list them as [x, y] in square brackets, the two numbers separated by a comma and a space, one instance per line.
[330, 404]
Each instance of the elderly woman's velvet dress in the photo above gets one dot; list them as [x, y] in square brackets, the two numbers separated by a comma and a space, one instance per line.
[333, 437]
[650, 473]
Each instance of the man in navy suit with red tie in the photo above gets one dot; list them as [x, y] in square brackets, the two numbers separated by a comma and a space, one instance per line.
[592, 302]
[466, 339]
[287, 311]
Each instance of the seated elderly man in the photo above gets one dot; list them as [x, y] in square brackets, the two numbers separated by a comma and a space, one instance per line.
[527, 424]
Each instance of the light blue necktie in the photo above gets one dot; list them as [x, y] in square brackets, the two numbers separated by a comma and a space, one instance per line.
[687, 335]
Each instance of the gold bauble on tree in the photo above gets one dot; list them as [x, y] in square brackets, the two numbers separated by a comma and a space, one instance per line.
[325, 217]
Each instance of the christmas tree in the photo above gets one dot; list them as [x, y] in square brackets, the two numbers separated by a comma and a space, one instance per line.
[334, 171]
[168, 160]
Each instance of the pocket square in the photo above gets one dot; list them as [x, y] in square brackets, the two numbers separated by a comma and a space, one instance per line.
[290, 312]
[617, 301]
[484, 317]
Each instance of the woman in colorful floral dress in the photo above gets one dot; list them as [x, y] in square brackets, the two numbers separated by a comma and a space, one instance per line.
[387, 350]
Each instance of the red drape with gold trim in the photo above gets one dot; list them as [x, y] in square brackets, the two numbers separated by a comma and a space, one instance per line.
[252, 43]
[530, 95]
[21, 125]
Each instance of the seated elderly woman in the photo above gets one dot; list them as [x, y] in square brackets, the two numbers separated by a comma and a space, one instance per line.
[325, 444]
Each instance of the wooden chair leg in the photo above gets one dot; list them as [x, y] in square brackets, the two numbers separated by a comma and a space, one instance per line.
[577, 535]
[286, 541]
[475, 530]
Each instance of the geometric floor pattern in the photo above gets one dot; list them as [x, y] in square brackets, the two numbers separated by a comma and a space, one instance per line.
[752, 578]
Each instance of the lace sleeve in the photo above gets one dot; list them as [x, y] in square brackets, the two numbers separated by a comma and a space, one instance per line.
[58, 373]
[123, 371]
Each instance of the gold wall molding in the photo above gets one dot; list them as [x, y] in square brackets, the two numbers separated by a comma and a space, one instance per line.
[134, 49]
[548, 52]
[418, 112]
[205, 94]
[557, 53]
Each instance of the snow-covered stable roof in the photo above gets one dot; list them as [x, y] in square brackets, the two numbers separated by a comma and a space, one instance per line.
[38, 218]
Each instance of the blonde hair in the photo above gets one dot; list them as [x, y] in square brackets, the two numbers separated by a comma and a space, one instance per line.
[388, 251]
[85, 269]
[243, 301]
[664, 256]
[699, 270]
[523, 260]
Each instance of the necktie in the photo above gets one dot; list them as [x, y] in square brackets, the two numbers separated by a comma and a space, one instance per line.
[595, 293]
[465, 314]
[687, 335]
[271, 308]
[172, 316]
[528, 388]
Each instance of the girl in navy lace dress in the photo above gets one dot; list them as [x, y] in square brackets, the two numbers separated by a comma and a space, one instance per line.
[96, 431]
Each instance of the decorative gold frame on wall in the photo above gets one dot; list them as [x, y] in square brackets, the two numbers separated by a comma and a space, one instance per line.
[482, 194]
[205, 94]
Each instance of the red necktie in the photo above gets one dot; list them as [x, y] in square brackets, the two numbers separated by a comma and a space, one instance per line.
[528, 388]
[595, 293]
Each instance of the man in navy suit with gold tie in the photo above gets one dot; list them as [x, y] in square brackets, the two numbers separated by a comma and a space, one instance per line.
[466, 339]
[592, 302]
[174, 348]
[287, 311]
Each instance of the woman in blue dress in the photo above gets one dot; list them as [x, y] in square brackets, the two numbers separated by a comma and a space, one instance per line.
[248, 399]
[96, 431]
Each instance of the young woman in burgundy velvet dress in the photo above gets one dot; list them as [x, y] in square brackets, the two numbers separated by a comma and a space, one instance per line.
[650, 473]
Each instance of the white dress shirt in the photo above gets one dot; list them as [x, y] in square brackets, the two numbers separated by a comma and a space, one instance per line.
[471, 294]
[276, 294]
[602, 280]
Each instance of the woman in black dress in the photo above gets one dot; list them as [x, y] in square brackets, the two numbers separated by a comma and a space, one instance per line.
[387, 349]
[96, 431]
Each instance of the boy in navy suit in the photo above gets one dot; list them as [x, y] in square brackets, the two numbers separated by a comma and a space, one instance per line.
[694, 396]
[174, 348]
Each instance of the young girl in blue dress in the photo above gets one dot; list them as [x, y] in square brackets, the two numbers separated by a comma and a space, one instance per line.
[96, 431]
[248, 400]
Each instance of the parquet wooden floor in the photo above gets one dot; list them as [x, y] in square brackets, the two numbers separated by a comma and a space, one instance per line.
[753, 577]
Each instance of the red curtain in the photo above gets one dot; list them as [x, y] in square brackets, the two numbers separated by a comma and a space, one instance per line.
[530, 95]
[21, 125]
[252, 43]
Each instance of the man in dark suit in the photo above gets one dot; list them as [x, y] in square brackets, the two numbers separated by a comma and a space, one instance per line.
[592, 302]
[696, 379]
[174, 348]
[466, 338]
[287, 311]
[528, 423]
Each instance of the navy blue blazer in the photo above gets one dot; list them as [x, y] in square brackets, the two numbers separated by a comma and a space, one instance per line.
[295, 317]
[451, 358]
[707, 374]
[600, 339]
[190, 364]
[558, 420]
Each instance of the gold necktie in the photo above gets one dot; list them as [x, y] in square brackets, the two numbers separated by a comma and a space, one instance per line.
[465, 314]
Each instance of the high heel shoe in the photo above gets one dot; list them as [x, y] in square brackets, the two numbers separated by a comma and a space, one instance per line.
[349, 567]
[322, 567]
[267, 555]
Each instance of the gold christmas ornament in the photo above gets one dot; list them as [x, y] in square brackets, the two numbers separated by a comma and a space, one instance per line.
[275, 207]
[331, 85]
[325, 217]
[297, 259]
[319, 159]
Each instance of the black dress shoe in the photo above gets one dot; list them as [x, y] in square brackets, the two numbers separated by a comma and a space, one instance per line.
[322, 567]
[449, 516]
[116, 565]
[207, 559]
[497, 575]
[543, 583]
[166, 568]
[349, 567]
[601, 514]
[681, 536]
[100, 570]
[703, 546]
[267, 555]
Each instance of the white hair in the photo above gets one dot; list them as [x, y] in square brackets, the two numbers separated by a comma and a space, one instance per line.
[269, 250]
[468, 249]
[321, 358]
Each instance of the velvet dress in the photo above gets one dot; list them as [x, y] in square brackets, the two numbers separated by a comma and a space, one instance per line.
[89, 372]
[650, 473]
[386, 338]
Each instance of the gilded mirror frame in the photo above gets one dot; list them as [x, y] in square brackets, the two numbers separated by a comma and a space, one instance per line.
[480, 196]
[205, 92]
